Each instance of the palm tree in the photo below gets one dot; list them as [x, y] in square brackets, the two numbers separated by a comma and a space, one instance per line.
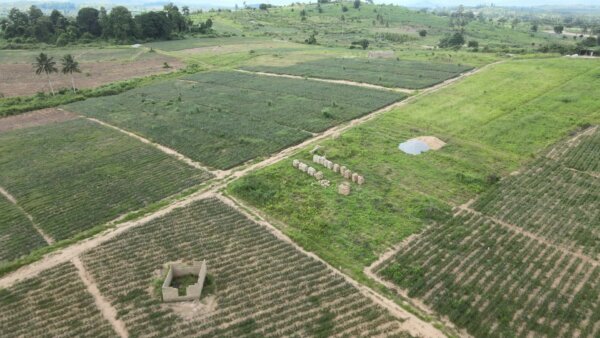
[69, 66]
[45, 64]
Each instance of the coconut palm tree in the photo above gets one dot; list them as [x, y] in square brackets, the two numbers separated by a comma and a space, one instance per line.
[69, 66]
[45, 64]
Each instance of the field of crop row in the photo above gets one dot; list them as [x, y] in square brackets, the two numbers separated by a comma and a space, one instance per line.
[53, 304]
[496, 282]
[223, 119]
[17, 235]
[387, 73]
[556, 197]
[262, 286]
[74, 175]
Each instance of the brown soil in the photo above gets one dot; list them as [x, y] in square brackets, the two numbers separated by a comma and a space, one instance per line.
[20, 79]
[35, 118]
[432, 142]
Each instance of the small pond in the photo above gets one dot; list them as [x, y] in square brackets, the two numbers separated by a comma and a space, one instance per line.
[413, 147]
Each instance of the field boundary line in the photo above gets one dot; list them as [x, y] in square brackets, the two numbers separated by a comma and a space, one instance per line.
[409, 322]
[107, 310]
[13, 200]
[344, 82]
[164, 149]
[67, 254]
[533, 236]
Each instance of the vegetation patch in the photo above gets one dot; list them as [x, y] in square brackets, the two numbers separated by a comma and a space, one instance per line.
[223, 119]
[51, 304]
[387, 73]
[79, 174]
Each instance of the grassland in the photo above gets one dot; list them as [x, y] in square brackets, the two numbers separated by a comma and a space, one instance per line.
[223, 119]
[257, 292]
[53, 304]
[78, 174]
[18, 237]
[516, 267]
[492, 122]
[387, 73]
[386, 26]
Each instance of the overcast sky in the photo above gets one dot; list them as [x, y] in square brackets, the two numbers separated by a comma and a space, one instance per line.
[438, 2]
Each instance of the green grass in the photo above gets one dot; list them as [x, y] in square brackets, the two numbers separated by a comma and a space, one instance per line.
[492, 122]
[18, 237]
[223, 119]
[387, 73]
[78, 175]
[257, 291]
[182, 282]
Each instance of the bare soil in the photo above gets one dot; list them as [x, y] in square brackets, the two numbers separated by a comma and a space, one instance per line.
[432, 142]
[35, 118]
[20, 79]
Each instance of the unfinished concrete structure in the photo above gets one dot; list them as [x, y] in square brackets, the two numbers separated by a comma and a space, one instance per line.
[193, 292]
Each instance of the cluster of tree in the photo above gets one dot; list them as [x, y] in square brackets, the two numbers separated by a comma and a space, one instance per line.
[90, 23]
[46, 65]
[458, 22]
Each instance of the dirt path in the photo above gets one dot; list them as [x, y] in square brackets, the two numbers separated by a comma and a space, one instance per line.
[218, 173]
[346, 82]
[75, 250]
[13, 200]
[109, 312]
[411, 323]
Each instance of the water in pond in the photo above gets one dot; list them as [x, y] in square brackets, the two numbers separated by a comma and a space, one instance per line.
[413, 147]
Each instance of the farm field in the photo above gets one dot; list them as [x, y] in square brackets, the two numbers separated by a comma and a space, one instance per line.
[387, 73]
[78, 174]
[493, 122]
[18, 78]
[256, 291]
[505, 270]
[223, 119]
[556, 197]
[18, 237]
[53, 304]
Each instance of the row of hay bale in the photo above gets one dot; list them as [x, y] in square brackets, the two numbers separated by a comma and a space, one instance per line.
[342, 170]
[318, 175]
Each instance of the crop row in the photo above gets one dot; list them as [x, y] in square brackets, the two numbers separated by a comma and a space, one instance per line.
[53, 304]
[263, 286]
[387, 73]
[223, 119]
[18, 237]
[78, 174]
[553, 200]
[496, 282]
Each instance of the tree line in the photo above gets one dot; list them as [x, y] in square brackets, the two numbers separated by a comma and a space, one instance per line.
[92, 24]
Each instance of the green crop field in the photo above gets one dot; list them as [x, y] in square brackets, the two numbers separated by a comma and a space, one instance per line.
[492, 122]
[256, 293]
[18, 237]
[387, 73]
[223, 119]
[53, 304]
[557, 197]
[78, 174]
[482, 272]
